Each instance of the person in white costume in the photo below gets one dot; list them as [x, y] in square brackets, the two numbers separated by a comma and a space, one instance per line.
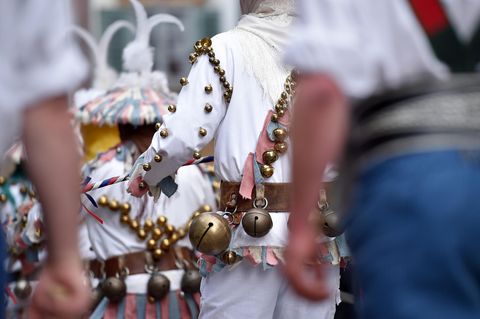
[237, 86]
[145, 266]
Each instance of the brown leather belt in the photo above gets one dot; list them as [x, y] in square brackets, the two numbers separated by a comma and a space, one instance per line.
[138, 263]
[276, 195]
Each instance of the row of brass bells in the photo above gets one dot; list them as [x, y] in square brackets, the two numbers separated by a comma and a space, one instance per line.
[114, 288]
[190, 283]
[158, 286]
[22, 289]
[210, 233]
[257, 222]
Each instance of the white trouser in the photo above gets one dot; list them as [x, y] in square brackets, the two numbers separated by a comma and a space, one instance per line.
[251, 292]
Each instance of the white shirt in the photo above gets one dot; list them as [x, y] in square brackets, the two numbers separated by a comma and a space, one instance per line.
[371, 45]
[236, 128]
[114, 238]
[37, 61]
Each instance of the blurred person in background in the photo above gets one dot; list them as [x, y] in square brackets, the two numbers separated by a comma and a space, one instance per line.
[413, 156]
[37, 69]
[238, 92]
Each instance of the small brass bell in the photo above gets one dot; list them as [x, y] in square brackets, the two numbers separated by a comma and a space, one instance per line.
[197, 155]
[103, 201]
[3, 198]
[208, 89]
[270, 157]
[114, 288]
[229, 257]
[113, 205]
[281, 147]
[161, 221]
[257, 222]
[280, 134]
[22, 289]
[210, 233]
[172, 108]
[266, 170]
[208, 108]
[2, 180]
[190, 283]
[332, 225]
[158, 286]
[125, 208]
[183, 81]
[157, 158]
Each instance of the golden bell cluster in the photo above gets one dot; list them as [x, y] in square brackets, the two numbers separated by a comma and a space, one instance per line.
[202, 47]
[159, 235]
[280, 134]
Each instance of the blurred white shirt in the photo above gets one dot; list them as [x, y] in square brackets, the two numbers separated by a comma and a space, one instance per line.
[37, 61]
[371, 45]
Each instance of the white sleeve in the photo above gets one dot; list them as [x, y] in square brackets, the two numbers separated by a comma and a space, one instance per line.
[38, 60]
[196, 110]
[366, 46]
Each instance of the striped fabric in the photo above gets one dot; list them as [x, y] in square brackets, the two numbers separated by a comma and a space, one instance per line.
[132, 105]
[175, 305]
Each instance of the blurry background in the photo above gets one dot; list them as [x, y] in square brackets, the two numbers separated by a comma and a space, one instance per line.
[201, 18]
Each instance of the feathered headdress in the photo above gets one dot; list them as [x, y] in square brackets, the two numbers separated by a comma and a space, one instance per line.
[104, 76]
[140, 96]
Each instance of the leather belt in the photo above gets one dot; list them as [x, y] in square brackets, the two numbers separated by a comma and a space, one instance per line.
[139, 262]
[276, 195]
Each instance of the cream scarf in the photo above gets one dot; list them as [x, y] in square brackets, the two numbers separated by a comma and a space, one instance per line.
[262, 33]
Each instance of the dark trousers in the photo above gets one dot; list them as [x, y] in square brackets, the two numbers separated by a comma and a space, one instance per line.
[414, 232]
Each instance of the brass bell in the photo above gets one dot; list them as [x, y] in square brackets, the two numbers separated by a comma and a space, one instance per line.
[151, 244]
[229, 257]
[266, 170]
[103, 200]
[142, 185]
[208, 89]
[193, 57]
[134, 224]
[183, 81]
[164, 133]
[274, 117]
[158, 126]
[174, 238]
[2, 180]
[182, 233]
[22, 289]
[169, 229]
[191, 280]
[280, 134]
[158, 286]
[113, 205]
[3, 198]
[210, 234]
[142, 234]
[161, 221]
[172, 108]
[157, 233]
[114, 288]
[125, 219]
[257, 222]
[125, 208]
[221, 72]
[202, 132]
[332, 225]
[269, 157]
[147, 167]
[206, 208]
[208, 108]
[23, 189]
[197, 155]
[165, 244]
[157, 254]
[157, 158]
[206, 42]
[148, 225]
[281, 147]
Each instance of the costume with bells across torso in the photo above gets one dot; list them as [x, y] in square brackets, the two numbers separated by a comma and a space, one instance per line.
[145, 266]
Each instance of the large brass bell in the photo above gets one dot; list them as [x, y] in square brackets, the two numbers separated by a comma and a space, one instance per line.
[332, 225]
[114, 288]
[257, 221]
[191, 281]
[158, 286]
[22, 289]
[210, 233]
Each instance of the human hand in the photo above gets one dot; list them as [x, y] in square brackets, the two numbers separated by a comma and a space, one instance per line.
[305, 274]
[61, 291]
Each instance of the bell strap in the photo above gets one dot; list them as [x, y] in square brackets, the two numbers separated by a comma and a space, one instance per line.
[275, 197]
[136, 263]
[444, 40]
